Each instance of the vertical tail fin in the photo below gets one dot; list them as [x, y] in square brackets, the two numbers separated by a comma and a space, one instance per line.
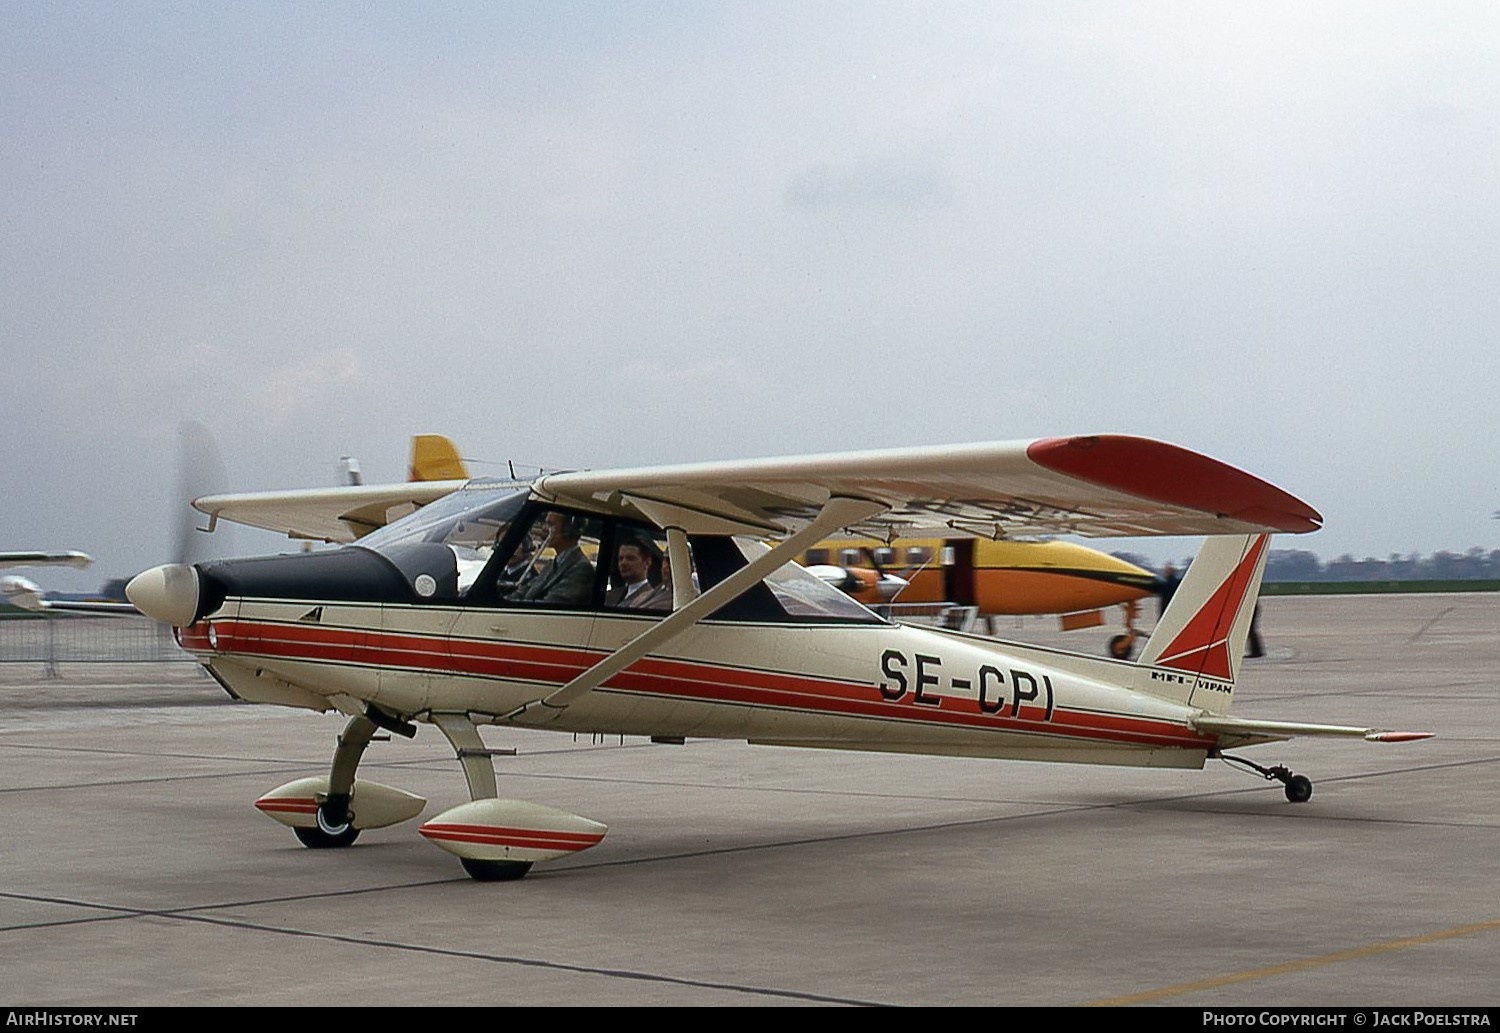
[1194, 654]
[434, 458]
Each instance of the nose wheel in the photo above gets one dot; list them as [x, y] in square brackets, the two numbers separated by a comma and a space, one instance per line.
[1299, 788]
[326, 834]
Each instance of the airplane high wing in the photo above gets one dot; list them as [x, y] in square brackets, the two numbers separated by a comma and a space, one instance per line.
[325, 514]
[45, 559]
[1095, 486]
[353, 510]
[664, 602]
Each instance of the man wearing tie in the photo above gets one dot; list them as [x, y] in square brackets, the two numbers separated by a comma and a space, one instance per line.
[634, 590]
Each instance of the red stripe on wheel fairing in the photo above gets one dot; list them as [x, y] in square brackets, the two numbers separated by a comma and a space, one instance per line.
[286, 805]
[498, 835]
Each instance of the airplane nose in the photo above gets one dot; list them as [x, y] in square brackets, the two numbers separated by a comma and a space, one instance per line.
[168, 593]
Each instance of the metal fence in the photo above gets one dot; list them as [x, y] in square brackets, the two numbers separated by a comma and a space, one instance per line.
[69, 638]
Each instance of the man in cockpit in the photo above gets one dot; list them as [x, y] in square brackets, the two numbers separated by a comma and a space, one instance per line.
[570, 578]
[634, 589]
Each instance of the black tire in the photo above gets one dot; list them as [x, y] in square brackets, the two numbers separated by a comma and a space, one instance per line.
[495, 871]
[324, 835]
[317, 839]
[1121, 646]
[1299, 789]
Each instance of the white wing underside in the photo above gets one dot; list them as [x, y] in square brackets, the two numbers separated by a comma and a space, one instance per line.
[45, 559]
[1096, 486]
[326, 514]
[1101, 486]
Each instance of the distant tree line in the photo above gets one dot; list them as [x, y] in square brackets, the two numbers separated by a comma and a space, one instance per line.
[1300, 565]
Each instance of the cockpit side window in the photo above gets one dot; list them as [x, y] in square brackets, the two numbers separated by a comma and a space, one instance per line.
[497, 548]
[552, 563]
[640, 576]
[552, 557]
[441, 548]
[789, 593]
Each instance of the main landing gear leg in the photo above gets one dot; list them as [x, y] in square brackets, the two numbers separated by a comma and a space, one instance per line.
[333, 828]
[479, 771]
[331, 811]
[1298, 787]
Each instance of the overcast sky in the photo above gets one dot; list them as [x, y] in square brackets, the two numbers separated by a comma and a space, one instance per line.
[599, 234]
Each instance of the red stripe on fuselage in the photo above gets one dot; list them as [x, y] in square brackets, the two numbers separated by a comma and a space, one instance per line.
[685, 680]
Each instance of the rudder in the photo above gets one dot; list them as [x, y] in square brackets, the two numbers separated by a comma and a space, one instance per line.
[1194, 654]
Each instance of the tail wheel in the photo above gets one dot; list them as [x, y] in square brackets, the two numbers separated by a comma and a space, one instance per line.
[1299, 789]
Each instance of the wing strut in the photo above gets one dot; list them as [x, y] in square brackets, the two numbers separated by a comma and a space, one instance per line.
[683, 589]
[836, 513]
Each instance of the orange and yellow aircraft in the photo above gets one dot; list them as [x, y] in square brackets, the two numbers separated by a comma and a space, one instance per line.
[995, 577]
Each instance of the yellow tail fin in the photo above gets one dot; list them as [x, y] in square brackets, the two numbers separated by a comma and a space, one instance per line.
[434, 458]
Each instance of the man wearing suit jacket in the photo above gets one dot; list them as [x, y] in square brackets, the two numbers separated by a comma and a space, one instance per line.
[635, 590]
[570, 578]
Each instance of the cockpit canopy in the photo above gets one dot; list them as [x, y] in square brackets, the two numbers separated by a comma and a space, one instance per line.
[490, 545]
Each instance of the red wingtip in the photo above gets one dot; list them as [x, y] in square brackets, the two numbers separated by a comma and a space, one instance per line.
[1166, 473]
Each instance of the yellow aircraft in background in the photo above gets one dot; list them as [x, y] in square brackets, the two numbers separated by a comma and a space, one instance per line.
[995, 578]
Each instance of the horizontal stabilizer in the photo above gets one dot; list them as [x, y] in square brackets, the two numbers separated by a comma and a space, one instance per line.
[1218, 724]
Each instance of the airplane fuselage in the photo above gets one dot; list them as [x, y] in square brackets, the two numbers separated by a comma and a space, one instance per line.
[871, 686]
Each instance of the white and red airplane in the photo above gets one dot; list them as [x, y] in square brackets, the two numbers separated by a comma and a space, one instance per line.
[649, 602]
